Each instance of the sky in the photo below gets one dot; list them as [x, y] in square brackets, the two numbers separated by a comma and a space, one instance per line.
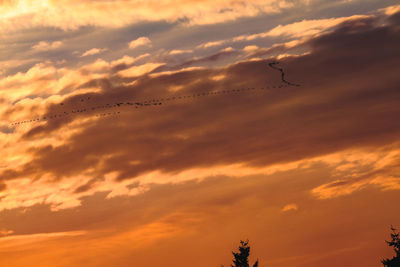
[161, 133]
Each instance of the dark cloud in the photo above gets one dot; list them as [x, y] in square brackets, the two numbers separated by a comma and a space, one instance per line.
[214, 57]
[395, 19]
[7, 129]
[87, 186]
[349, 98]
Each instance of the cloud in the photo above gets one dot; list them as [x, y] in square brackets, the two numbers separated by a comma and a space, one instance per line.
[228, 49]
[336, 108]
[307, 28]
[359, 171]
[141, 41]
[218, 57]
[169, 216]
[300, 30]
[14, 63]
[140, 70]
[5, 232]
[93, 51]
[290, 207]
[18, 240]
[23, 14]
[127, 60]
[45, 78]
[179, 51]
[391, 10]
[304, 28]
[338, 188]
[28, 94]
[212, 44]
[250, 48]
[215, 157]
[44, 46]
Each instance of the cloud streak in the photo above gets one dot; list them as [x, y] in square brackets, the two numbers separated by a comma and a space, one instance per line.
[93, 51]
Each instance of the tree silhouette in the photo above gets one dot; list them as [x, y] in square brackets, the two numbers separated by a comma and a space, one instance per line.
[241, 258]
[395, 243]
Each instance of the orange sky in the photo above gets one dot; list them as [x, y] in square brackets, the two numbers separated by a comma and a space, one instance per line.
[158, 133]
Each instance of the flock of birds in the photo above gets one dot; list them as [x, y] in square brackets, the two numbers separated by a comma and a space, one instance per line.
[107, 109]
[272, 65]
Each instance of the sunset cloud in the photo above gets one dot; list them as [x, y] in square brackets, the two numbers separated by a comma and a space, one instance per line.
[290, 207]
[211, 44]
[43, 46]
[202, 120]
[5, 232]
[73, 14]
[183, 139]
[140, 70]
[304, 28]
[93, 51]
[141, 41]
[179, 51]
[18, 240]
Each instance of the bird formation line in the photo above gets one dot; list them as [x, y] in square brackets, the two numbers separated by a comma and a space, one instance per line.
[156, 102]
[272, 65]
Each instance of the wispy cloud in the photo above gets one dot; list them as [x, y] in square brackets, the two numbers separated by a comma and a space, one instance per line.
[44, 46]
[212, 44]
[180, 51]
[11, 241]
[93, 51]
[290, 207]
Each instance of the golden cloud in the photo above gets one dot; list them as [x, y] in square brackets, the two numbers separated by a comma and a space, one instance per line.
[93, 51]
[290, 207]
[141, 41]
[44, 46]
[65, 14]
